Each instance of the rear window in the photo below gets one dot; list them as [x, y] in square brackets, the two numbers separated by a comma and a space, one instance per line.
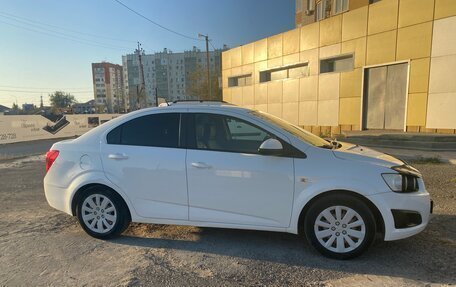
[158, 130]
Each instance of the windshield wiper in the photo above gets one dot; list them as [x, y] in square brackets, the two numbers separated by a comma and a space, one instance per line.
[333, 144]
[336, 144]
[327, 146]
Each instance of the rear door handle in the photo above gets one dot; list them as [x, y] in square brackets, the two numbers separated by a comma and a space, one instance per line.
[200, 165]
[117, 156]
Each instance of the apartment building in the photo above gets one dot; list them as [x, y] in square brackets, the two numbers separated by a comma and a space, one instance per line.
[309, 11]
[353, 65]
[167, 75]
[108, 87]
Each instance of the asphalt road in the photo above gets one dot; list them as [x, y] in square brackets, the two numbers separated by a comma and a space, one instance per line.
[40, 246]
[22, 149]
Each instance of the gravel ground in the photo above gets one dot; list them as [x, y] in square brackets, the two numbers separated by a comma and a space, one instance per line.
[40, 246]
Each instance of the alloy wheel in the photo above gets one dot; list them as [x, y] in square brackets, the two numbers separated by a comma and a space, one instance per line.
[99, 213]
[340, 229]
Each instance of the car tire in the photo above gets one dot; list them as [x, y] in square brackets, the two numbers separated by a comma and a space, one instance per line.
[102, 213]
[340, 226]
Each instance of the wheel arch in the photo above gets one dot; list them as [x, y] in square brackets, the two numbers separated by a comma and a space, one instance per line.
[376, 212]
[80, 192]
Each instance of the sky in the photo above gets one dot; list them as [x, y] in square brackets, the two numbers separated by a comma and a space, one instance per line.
[49, 45]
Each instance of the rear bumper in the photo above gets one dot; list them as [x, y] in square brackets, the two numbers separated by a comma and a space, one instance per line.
[57, 197]
[418, 203]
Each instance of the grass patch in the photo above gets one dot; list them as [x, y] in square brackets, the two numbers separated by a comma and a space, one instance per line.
[453, 180]
[325, 135]
[427, 160]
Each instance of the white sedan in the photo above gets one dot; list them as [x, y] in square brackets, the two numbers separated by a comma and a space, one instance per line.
[217, 165]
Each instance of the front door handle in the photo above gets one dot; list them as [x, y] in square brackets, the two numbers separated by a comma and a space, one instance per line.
[117, 156]
[200, 165]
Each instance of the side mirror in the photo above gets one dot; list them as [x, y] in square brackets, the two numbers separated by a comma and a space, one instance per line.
[271, 147]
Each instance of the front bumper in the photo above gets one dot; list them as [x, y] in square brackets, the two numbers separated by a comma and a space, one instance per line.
[417, 202]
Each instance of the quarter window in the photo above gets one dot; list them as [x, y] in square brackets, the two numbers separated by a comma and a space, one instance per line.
[158, 130]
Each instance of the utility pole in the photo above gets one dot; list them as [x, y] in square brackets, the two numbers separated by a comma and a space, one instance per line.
[206, 37]
[156, 96]
[142, 91]
[137, 97]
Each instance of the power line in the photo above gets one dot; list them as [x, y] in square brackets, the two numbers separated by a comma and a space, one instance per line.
[71, 38]
[157, 24]
[210, 42]
[44, 88]
[62, 37]
[78, 38]
[38, 92]
[65, 29]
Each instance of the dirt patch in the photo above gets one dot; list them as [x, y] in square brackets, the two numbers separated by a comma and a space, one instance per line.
[40, 246]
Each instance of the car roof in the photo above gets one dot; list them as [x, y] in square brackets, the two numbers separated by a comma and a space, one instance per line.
[209, 105]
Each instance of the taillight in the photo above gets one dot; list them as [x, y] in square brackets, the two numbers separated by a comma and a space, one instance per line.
[51, 156]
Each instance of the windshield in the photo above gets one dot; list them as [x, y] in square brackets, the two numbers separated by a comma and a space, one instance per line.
[294, 130]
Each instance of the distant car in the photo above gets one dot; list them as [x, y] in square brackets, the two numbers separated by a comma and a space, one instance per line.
[217, 165]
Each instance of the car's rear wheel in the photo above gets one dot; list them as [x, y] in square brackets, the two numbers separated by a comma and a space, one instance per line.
[340, 226]
[102, 213]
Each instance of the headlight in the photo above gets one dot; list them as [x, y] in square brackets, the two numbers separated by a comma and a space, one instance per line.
[401, 182]
[393, 180]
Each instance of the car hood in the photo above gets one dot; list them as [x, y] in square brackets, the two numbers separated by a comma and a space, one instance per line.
[360, 153]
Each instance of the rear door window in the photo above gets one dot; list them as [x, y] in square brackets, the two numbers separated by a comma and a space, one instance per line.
[157, 130]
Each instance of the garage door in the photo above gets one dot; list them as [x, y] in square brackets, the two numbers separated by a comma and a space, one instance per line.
[385, 91]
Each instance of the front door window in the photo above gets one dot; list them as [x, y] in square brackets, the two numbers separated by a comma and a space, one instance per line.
[225, 133]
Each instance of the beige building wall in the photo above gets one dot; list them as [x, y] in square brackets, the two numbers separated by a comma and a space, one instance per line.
[420, 33]
[442, 82]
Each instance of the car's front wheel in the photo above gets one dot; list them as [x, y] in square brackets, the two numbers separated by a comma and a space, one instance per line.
[102, 213]
[340, 226]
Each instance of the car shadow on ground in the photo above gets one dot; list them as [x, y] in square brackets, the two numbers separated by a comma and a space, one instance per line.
[413, 258]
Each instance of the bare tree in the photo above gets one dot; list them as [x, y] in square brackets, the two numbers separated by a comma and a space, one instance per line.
[197, 85]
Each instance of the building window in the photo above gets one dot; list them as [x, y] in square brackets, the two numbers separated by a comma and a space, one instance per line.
[340, 6]
[310, 6]
[321, 9]
[294, 71]
[239, 81]
[298, 5]
[298, 72]
[336, 64]
[277, 75]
